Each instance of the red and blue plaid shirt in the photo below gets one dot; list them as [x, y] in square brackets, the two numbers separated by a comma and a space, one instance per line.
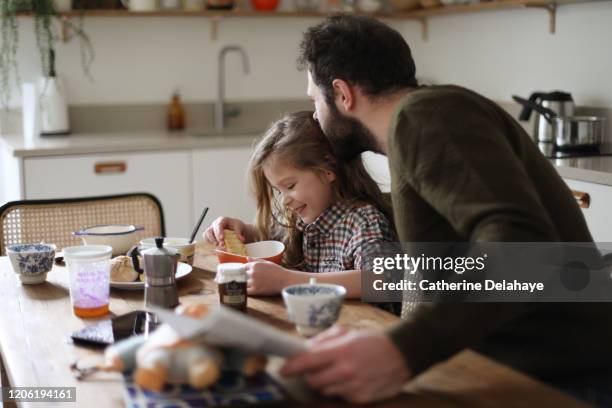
[335, 240]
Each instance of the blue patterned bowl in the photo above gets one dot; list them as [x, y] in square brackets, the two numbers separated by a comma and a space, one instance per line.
[31, 261]
[313, 307]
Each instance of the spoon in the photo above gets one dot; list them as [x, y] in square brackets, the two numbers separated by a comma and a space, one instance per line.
[199, 223]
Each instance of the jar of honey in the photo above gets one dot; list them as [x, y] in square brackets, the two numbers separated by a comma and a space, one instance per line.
[232, 283]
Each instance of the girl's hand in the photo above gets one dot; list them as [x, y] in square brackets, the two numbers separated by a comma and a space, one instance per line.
[214, 233]
[265, 278]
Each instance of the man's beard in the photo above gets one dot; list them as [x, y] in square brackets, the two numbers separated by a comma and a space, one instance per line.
[348, 137]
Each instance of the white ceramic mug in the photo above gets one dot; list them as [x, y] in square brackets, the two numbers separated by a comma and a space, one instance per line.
[140, 5]
[185, 248]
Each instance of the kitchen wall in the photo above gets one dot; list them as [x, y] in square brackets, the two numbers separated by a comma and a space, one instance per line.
[142, 60]
[498, 53]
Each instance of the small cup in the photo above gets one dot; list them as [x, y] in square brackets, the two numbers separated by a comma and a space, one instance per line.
[183, 246]
[313, 307]
[89, 270]
[31, 262]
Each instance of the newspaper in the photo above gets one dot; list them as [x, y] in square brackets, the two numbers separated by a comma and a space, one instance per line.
[227, 328]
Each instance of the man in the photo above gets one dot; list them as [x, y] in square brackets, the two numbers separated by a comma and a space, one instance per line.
[462, 169]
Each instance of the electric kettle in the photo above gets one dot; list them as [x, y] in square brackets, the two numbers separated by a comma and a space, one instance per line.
[561, 103]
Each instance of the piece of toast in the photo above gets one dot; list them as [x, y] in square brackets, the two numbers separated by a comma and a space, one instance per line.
[233, 244]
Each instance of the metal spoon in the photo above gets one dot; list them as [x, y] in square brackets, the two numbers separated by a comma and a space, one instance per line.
[199, 223]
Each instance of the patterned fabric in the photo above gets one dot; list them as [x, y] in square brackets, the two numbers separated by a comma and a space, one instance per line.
[233, 389]
[335, 240]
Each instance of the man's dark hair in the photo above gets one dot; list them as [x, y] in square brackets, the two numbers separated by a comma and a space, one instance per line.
[360, 50]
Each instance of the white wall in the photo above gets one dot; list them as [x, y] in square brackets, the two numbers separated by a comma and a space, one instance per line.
[498, 53]
[140, 60]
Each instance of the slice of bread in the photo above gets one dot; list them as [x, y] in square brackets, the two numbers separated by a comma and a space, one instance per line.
[233, 244]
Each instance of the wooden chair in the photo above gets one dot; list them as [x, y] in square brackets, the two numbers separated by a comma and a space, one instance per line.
[53, 221]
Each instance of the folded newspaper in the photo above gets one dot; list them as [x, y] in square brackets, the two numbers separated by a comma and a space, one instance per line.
[225, 327]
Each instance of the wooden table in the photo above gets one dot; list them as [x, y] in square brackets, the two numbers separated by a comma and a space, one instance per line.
[35, 322]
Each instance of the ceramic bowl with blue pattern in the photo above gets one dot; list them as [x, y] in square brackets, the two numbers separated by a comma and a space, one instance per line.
[313, 307]
[31, 261]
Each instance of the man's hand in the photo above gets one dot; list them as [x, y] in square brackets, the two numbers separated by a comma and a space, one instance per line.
[265, 278]
[360, 366]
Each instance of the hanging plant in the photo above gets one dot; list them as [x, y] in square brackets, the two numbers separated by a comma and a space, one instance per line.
[9, 29]
[47, 22]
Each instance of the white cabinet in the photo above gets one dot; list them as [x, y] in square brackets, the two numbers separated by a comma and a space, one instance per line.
[220, 182]
[598, 214]
[378, 167]
[167, 175]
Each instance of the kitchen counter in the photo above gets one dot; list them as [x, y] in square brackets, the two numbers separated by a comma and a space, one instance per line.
[113, 142]
[141, 127]
[590, 169]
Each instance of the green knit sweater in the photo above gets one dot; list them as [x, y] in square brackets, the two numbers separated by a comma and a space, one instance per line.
[462, 169]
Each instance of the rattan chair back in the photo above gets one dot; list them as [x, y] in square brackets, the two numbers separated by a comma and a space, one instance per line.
[53, 221]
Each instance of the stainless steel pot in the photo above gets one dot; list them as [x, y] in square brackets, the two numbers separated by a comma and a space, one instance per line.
[578, 131]
[570, 132]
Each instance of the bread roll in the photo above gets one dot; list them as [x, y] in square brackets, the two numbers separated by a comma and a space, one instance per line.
[122, 270]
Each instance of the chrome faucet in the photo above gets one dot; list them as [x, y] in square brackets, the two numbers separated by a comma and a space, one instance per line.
[220, 111]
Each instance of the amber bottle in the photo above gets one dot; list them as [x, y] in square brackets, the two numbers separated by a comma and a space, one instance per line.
[176, 114]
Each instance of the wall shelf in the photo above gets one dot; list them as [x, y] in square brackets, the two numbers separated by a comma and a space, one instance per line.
[420, 15]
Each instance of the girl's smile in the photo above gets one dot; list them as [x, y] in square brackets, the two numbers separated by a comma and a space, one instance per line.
[306, 192]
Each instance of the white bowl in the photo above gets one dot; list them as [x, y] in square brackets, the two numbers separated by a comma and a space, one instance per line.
[267, 250]
[31, 261]
[120, 237]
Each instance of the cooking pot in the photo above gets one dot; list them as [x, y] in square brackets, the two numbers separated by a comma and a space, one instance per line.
[570, 132]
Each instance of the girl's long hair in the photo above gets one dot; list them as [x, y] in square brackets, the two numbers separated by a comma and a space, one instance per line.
[297, 140]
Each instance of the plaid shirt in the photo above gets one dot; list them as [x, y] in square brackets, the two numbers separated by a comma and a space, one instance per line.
[335, 240]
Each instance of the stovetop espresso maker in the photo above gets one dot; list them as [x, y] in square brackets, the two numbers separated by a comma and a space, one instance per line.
[160, 265]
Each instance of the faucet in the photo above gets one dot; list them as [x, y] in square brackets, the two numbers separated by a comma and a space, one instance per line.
[220, 111]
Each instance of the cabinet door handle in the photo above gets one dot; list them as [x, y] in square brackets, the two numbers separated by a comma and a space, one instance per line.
[110, 167]
[583, 199]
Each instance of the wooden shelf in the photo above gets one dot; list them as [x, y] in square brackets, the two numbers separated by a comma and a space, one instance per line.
[203, 13]
[421, 15]
[412, 14]
[490, 5]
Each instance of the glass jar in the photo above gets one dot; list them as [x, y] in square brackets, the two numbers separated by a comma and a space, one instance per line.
[232, 284]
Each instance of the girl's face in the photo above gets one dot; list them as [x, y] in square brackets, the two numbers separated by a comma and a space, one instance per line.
[306, 192]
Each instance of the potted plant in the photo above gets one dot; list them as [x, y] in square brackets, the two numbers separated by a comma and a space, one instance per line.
[49, 26]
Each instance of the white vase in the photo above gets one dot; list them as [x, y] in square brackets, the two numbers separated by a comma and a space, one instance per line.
[30, 110]
[53, 107]
[62, 6]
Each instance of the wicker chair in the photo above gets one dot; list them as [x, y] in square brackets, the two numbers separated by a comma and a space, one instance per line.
[54, 220]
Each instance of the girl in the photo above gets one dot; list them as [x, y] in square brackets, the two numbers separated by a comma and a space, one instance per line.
[323, 210]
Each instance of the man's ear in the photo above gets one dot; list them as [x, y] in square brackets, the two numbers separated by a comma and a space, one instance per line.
[344, 95]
